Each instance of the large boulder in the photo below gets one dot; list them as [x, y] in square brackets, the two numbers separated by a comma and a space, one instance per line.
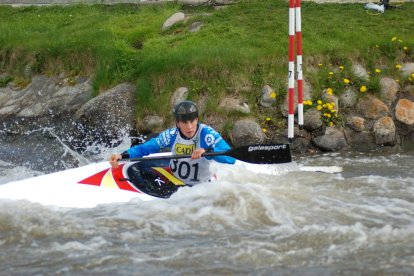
[108, 117]
[246, 132]
[44, 96]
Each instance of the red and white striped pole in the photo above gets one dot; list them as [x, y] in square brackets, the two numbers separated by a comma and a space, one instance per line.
[291, 81]
[298, 17]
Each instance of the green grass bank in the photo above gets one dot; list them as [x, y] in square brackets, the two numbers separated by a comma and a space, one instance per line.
[238, 50]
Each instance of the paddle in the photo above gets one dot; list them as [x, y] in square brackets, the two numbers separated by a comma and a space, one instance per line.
[256, 154]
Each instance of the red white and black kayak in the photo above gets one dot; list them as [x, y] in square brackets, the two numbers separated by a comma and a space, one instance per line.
[146, 179]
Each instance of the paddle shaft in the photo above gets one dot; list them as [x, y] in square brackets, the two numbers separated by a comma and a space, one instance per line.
[256, 154]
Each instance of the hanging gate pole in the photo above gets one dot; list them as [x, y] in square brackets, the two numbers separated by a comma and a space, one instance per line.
[295, 28]
[298, 17]
[291, 68]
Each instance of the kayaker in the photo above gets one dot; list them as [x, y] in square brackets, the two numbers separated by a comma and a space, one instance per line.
[189, 137]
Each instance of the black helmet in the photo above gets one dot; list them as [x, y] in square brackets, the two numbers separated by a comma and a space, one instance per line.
[186, 111]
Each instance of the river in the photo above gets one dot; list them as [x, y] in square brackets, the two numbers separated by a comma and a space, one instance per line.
[358, 222]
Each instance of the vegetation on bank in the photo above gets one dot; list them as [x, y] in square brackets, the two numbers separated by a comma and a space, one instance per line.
[239, 49]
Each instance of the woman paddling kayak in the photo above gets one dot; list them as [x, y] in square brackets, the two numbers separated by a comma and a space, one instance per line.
[189, 137]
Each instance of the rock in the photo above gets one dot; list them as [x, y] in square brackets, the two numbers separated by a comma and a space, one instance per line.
[332, 140]
[326, 98]
[179, 95]
[407, 69]
[404, 112]
[348, 98]
[360, 71]
[176, 17]
[360, 140]
[195, 26]
[232, 104]
[43, 97]
[246, 132]
[389, 90]
[150, 124]
[108, 117]
[312, 119]
[384, 131]
[356, 123]
[372, 108]
[268, 96]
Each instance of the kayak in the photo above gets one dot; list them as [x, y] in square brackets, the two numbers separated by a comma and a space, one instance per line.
[96, 183]
[144, 179]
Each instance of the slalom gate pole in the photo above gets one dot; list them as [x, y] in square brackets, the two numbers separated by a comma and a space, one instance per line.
[291, 68]
[298, 18]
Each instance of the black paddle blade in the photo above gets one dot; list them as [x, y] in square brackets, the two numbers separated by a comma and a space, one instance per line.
[262, 154]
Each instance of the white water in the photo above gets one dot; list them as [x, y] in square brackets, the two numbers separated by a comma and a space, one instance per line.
[358, 222]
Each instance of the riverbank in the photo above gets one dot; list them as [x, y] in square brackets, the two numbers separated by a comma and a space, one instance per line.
[226, 67]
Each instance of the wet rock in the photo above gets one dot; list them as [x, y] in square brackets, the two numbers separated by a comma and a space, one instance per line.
[108, 117]
[360, 140]
[384, 131]
[332, 140]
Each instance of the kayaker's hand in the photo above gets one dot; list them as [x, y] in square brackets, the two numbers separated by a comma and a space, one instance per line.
[113, 160]
[197, 153]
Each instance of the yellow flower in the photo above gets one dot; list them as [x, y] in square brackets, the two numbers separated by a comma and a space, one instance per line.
[346, 81]
[329, 91]
[332, 103]
[400, 41]
[264, 130]
[331, 73]
[328, 115]
[405, 48]
[331, 123]
[341, 67]
[377, 71]
[319, 107]
[398, 66]
[363, 89]
[412, 75]
[329, 106]
[273, 95]
[268, 119]
[320, 64]
[333, 111]
[394, 38]
[319, 102]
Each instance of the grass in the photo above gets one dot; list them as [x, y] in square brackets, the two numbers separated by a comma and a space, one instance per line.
[242, 45]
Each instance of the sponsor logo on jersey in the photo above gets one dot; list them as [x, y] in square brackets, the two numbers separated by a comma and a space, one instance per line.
[184, 149]
[209, 139]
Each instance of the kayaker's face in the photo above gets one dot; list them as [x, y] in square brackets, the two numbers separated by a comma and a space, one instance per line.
[188, 128]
